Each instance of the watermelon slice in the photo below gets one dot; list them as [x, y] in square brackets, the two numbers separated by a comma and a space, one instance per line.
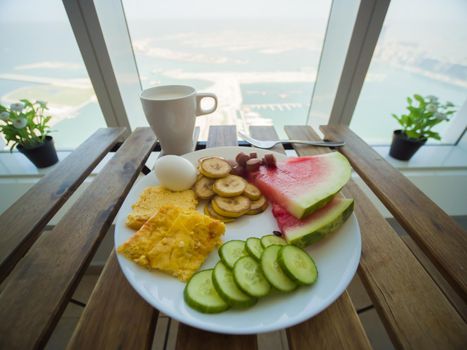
[315, 226]
[304, 184]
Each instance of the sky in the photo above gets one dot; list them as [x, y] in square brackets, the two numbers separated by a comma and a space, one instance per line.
[47, 10]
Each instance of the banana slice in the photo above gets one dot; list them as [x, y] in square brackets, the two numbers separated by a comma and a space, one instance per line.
[203, 188]
[229, 186]
[214, 167]
[232, 207]
[252, 192]
[258, 206]
[210, 212]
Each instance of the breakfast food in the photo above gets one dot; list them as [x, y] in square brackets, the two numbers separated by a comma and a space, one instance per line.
[273, 272]
[175, 173]
[153, 198]
[209, 211]
[175, 240]
[224, 283]
[214, 167]
[303, 232]
[229, 186]
[201, 295]
[257, 206]
[304, 184]
[203, 187]
[252, 192]
[230, 195]
[231, 207]
[248, 271]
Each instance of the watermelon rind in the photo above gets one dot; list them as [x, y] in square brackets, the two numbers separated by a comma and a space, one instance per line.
[317, 198]
[302, 191]
[315, 230]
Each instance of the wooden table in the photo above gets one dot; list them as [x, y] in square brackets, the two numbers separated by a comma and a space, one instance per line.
[418, 284]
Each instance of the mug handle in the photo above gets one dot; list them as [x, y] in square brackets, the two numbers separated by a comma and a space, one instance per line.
[199, 97]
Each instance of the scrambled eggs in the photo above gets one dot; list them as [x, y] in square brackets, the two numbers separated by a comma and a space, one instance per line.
[153, 198]
[175, 240]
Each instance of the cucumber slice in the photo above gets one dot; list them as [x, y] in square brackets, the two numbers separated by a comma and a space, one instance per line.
[250, 278]
[201, 295]
[273, 271]
[231, 251]
[254, 248]
[298, 265]
[268, 240]
[225, 285]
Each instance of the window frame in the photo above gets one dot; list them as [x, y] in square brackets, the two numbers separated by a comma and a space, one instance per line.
[341, 94]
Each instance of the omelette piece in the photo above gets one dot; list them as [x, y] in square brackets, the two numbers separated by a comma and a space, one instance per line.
[175, 240]
[153, 198]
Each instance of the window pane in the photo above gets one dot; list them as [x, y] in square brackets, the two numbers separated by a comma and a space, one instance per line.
[421, 50]
[40, 60]
[261, 63]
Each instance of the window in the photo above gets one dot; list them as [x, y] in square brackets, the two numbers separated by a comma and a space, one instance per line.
[421, 50]
[40, 60]
[260, 58]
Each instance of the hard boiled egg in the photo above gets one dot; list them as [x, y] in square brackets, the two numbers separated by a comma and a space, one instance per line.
[175, 173]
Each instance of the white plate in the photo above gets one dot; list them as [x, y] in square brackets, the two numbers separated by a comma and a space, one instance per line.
[336, 257]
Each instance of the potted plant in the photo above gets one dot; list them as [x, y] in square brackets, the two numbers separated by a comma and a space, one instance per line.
[25, 126]
[424, 113]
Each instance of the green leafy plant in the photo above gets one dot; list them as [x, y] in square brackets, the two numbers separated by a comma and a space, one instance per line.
[24, 123]
[424, 114]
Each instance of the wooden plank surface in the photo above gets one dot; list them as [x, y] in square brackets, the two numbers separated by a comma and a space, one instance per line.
[412, 307]
[338, 326]
[442, 239]
[116, 317]
[21, 224]
[196, 339]
[114, 302]
[39, 287]
[220, 135]
[459, 304]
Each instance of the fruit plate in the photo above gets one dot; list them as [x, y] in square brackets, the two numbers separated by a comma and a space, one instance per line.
[336, 257]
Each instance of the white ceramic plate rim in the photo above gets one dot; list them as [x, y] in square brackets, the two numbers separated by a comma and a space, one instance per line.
[148, 283]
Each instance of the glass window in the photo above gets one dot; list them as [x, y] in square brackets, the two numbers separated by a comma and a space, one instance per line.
[421, 50]
[40, 60]
[259, 57]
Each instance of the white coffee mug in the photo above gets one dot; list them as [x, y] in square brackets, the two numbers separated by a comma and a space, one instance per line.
[171, 111]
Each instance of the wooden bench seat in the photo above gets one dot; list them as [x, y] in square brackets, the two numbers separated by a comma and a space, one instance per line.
[413, 308]
[42, 282]
[21, 224]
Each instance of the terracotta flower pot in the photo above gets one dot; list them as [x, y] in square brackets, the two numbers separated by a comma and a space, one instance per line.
[43, 155]
[403, 147]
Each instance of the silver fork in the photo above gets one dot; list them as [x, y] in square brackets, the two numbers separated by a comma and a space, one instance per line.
[271, 144]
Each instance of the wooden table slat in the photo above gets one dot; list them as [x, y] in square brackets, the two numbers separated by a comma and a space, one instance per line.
[115, 317]
[338, 326]
[114, 302]
[21, 224]
[192, 338]
[412, 307]
[41, 284]
[442, 239]
[220, 135]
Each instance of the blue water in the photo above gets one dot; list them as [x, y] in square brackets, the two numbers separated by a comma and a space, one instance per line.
[372, 118]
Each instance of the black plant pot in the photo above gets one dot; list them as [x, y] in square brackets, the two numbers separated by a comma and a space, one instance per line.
[403, 147]
[43, 155]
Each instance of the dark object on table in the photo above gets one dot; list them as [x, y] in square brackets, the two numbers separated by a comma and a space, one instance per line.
[43, 155]
[403, 147]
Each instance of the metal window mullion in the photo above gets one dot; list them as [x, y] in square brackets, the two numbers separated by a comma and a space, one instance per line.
[87, 30]
[337, 95]
[368, 25]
